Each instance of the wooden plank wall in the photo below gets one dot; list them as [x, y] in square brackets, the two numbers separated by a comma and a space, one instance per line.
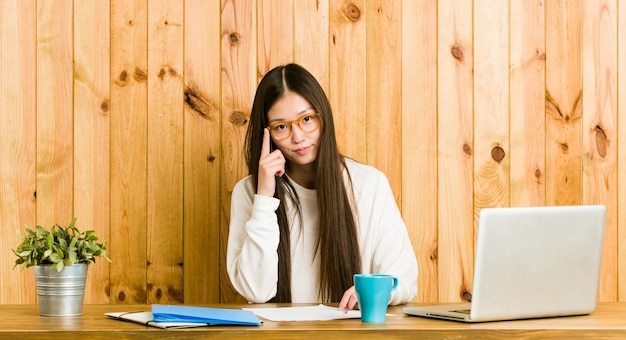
[131, 115]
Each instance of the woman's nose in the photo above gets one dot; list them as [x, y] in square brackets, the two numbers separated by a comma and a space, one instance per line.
[296, 133]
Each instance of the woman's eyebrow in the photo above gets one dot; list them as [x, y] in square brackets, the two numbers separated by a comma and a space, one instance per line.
[299, 114]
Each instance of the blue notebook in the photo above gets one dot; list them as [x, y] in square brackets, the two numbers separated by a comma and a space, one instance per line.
[214, 316]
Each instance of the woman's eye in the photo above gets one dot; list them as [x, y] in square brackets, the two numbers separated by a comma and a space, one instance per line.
[280, 127]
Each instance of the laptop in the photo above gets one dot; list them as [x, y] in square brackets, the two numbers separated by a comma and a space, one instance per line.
[531, 262]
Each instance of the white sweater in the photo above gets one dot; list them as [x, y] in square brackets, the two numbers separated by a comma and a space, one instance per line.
[252, 258]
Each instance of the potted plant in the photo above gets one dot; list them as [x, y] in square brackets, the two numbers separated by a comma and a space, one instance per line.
[60, 257]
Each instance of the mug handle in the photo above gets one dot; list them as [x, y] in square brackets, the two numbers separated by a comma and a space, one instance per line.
[394, 282]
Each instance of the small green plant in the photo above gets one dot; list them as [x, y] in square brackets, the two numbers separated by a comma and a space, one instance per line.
[60, 246]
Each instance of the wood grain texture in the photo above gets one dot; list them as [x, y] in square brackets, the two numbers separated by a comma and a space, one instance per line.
[17, 142]
[455, 150]
[239, 80]
[527, 103]
[347, 21]
[129, 105]
[23, 321]
[384, 90]
[165, 152]
[563, 103]
[202, 153]
[92, 105]
[621, 145]
[275, 34]
[491, 106]
[432, 92]
[419, 133]
[599, 126]
[311, 38]
[55, 159]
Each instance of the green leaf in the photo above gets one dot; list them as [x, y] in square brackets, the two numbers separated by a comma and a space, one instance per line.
[73, 242]
[54, 258]
[59, 246]
[50, 241]
[72, 258]
[25, 253]
[62, 243]
[58, 266]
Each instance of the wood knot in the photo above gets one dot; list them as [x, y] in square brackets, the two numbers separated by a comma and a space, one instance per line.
[233, 38]
[141, 76]
[466, 296]
[537, 173]
[197, 103]
[564, 147]
[434, 254]
[457, 53]
[175, 294]
[210, 158]
[541, 55]
[467, 149]
[238, 118]
[121, 296]
[497, 153]
[353, 12]
[104, 106]
[166, 70]
[123, 77]
[601, 141]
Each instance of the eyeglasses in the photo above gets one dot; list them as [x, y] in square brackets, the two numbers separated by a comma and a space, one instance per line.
[282, 129]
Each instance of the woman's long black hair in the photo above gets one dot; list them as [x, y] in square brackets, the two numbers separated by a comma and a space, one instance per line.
[337, 246]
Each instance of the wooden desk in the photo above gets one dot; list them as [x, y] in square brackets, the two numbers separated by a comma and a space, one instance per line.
[24, 322]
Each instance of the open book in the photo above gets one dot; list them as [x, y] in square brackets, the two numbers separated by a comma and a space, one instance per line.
[145, 318]
[176, 316]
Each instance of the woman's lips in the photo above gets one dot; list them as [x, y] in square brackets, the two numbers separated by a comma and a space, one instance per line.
[303, 150]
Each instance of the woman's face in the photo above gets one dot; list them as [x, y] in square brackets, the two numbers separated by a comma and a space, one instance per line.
[300, 148]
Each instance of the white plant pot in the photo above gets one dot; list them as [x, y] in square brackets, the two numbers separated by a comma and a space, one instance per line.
[60, 293]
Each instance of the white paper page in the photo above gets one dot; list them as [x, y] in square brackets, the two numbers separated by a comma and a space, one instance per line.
[145, 318]
[307, 313]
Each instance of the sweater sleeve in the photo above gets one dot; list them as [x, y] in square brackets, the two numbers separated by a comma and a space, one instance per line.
[252, 259]
[385, 244]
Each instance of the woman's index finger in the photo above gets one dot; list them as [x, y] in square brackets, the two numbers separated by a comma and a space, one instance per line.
[265, 147]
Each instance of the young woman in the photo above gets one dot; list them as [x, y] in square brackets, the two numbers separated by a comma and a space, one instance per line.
[306, 218]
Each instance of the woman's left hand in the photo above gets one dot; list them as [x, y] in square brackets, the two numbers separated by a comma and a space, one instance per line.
[348, 301]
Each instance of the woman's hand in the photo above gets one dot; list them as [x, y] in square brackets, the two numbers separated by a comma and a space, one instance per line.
[271, 164]
[348, 301]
